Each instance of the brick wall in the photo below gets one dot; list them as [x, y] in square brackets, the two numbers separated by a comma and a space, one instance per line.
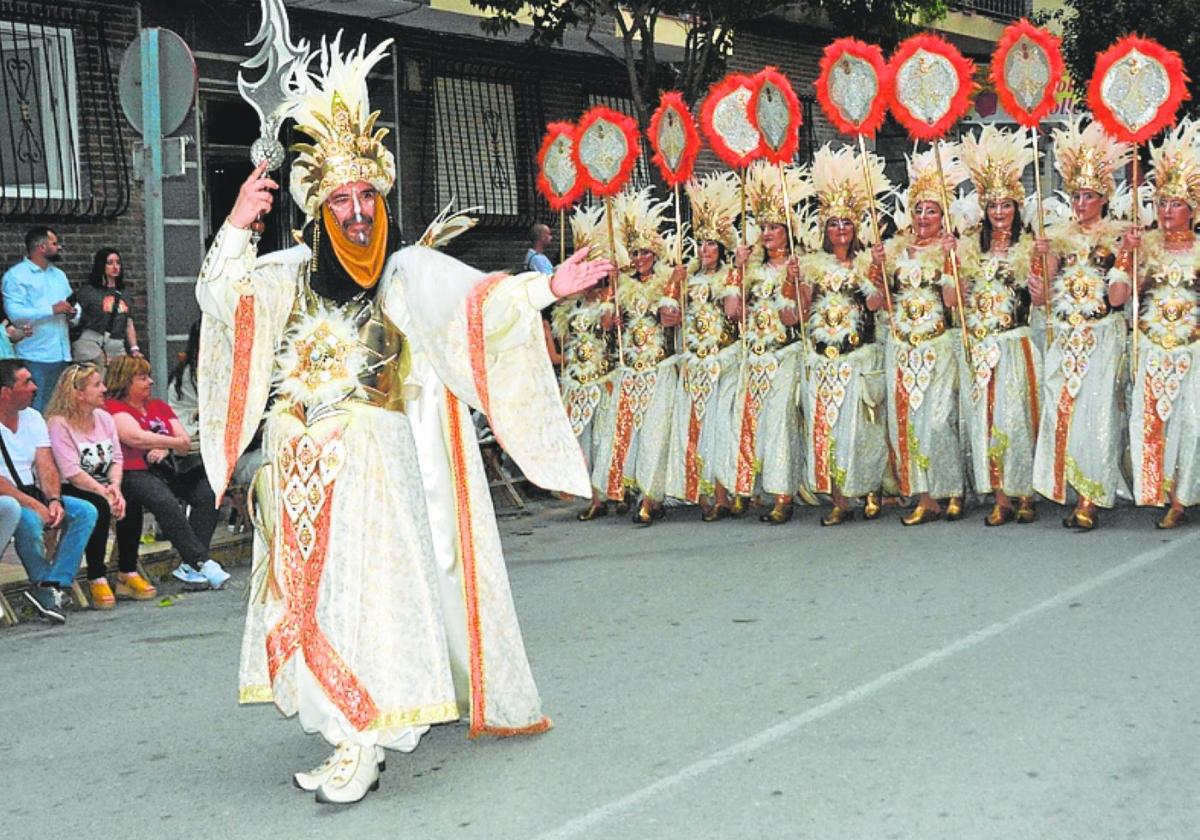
[124, 232]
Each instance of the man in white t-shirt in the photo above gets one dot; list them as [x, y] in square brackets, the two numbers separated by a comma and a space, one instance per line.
[28, 474]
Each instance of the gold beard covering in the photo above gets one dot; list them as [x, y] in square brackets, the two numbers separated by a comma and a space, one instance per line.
[364, 263]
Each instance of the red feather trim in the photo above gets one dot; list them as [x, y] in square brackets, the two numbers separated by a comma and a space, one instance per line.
[673, 100]
[1165, 116]
[959, 103]
[732, 158]
[557, 202]
[873, 56]
[627, 126]
[1050, 45]
[791, 138]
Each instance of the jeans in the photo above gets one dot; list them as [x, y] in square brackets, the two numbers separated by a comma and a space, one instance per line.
[97, 545]
[77, 527]
[45, 374]
[190, 534]
[10, 516]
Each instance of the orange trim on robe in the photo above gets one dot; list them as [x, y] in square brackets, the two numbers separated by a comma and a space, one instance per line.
[476, 341]
[821, 449]
[995, 474]
[744, 478]
[239, 382]
[1031, 380]
[624, 433]
[1154, 444]
[1062, 431]
[691, 469]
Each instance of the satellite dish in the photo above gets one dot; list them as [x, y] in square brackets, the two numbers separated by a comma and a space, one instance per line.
[177, 80]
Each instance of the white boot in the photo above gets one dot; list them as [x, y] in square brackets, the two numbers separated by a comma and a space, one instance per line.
[313, 779]
[355, 774]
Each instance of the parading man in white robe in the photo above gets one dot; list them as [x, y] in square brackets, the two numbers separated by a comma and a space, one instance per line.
[380, 604]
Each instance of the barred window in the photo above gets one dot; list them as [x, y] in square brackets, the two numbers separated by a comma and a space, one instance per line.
[62, 149]
[482, 142]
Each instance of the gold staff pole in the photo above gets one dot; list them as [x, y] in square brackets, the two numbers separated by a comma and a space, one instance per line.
[958, 289]
[1041, 221]
[682, 332]
[742, 270]
[1137, 221]
[616, 283]
[866, 165]
[787, 211]
[562, 236]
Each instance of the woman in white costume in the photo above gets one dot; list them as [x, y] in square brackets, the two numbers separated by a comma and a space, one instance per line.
[845, 447]
[921, 355]
[1001, 387]
[1164, 417]
[1082, 427]
[589, 355]
[709, 364]
[379, 603]
[631, 452]
[767, 455]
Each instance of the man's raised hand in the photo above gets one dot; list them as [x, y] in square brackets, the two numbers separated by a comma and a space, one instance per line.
[254, 198]
[578, 274]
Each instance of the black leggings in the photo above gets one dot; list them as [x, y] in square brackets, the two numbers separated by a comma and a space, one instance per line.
[97, 546]
[190, 534]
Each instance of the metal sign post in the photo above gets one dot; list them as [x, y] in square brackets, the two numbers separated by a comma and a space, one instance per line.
[152, 172]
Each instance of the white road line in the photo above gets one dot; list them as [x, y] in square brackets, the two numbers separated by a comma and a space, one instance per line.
[769, 737]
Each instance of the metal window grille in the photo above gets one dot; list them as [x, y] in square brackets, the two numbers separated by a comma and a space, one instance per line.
[482, 142]
[1000, 9]
[61, 138]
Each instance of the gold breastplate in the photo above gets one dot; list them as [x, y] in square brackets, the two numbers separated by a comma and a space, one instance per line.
[336, 352]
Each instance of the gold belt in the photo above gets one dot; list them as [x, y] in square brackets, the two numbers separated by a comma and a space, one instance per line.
[920, 338]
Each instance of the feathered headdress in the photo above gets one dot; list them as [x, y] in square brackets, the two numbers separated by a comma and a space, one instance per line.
[840, 187]
[764, 191]
[1175, 164]
[587, 229]
[637, 218]
[333, 110]
[1088, 158]
[996, 160]
[924, 182]
[715, 200]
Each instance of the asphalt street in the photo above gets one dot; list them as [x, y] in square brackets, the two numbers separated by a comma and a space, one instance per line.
[730, 680]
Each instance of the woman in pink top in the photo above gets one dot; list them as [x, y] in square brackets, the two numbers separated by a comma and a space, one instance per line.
[87, 451]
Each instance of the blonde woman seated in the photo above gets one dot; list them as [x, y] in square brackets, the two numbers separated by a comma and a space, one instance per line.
[83, 438]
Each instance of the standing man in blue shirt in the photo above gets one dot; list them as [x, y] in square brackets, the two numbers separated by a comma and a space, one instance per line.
[539, 240]
[38, 297]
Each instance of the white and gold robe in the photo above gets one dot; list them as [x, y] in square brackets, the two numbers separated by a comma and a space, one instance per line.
[380, 601]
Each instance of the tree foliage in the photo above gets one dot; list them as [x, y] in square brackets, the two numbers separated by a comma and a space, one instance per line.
[711, 26]
[1091, 26]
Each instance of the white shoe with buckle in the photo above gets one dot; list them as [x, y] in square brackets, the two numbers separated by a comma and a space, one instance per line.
[315, 777]
[355, 774]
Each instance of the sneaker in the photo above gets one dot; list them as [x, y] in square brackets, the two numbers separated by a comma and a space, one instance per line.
[46, 604]
[190, 578]
[101, 594]
[135, 587]
[214, 574]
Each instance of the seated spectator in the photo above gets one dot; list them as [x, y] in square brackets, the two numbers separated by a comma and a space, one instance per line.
[150, 433]
[107, 328]
[28, 475]
[87, 452]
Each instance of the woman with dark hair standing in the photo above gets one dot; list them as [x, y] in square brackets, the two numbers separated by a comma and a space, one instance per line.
[1000, 386]
[108, 329]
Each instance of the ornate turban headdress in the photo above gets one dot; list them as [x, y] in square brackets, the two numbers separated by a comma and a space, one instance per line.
[1175, 164]
[926, 184]
[996, 160]
[839, 185]
[715, 200]
[1088, 158]
[333, 110]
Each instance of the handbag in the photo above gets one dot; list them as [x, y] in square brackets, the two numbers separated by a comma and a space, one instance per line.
[173, 466]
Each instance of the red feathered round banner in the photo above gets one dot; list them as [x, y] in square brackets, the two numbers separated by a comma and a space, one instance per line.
[775, 113]
[725, 121]
[674, 138]
[605, 150]
[558, 180]
[1027, 66]
[1136, 88]
[852, 86]
[930, 85]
